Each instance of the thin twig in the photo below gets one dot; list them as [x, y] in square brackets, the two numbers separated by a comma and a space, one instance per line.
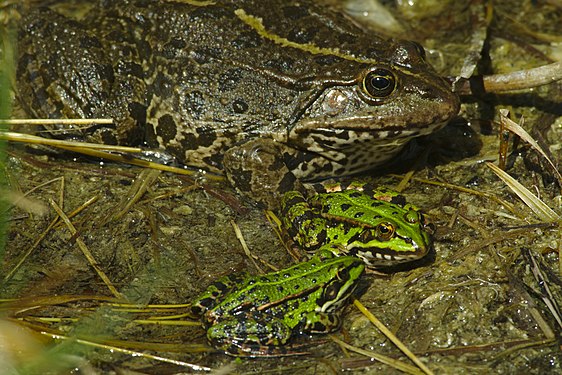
[58, 121]
[247, 251]
[381, 327]
[408, 369]
[85, 250]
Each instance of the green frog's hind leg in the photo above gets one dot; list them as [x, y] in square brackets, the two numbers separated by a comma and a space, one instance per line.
[253, 336]
[257, 169]
[215, 291]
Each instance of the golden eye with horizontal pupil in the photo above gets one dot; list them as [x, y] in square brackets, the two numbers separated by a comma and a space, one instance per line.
[379, 83]
[385, 231]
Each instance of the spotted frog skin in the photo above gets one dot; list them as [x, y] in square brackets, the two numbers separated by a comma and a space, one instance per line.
[376, 225]
[254, 315]
[271, 93]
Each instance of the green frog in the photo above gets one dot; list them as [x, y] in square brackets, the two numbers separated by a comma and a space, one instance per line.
[271, 93]
[254, 315]
[376, 225]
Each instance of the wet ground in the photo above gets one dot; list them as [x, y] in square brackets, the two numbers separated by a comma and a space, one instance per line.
[160, 238]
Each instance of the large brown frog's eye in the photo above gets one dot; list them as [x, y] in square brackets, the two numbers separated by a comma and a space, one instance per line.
[385, 231]
[379, 83]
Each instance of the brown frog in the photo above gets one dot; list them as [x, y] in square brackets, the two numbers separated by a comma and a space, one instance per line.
[272, 93]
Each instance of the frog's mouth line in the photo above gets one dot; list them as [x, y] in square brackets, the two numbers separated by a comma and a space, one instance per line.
[368, 125]
[383, 255]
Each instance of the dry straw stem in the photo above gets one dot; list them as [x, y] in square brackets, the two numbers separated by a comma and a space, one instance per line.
[33, 139]
[392, 337]
[142, 183]
[133, 353]
[61, 121]
[545, 292]
[515, 128]
[53, 223]
[101, 151]
[85, 250]
[398, 365]
[540, 208]
[278, 228]
[463, 189]
[244, 245]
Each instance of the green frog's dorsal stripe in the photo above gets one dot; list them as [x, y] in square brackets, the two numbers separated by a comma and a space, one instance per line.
[288, 297]
[257, 24]
[291, 276]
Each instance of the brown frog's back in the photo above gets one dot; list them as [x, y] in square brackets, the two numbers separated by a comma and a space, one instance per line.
[291, 78]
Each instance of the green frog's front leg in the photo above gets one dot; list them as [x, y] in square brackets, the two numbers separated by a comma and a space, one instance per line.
[303, 227]
[321, 322]
[249, 335]
[257, 169]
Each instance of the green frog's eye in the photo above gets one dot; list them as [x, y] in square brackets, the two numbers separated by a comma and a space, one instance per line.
[385, 231]
[379, 83]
